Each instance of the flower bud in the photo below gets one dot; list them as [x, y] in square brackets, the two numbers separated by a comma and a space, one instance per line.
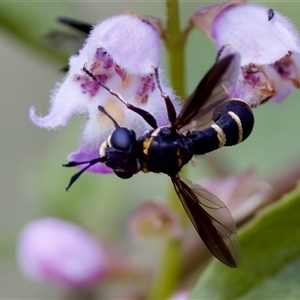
[53, 250]
[154, 220]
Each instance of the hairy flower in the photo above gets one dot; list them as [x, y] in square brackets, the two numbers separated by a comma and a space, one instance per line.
[267, 41]
[57, 251]
[120, 52]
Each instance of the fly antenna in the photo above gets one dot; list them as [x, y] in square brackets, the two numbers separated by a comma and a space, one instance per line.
[170, 107]
[102, 109]
[75, 163]
[143, 113]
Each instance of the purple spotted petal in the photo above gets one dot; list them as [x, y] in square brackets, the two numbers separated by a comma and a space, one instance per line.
[268, 43]
[120, 52]
[132, 44]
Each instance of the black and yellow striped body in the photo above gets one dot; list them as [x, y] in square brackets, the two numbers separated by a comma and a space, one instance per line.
[163, 150]
[232, 127]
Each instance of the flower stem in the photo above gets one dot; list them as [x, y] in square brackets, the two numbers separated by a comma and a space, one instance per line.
[169, 272]
[175, 44]
[170, 266]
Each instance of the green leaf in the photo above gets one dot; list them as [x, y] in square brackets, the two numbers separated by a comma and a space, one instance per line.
[271, 258]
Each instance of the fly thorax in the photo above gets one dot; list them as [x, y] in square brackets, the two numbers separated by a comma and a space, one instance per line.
[164, 150]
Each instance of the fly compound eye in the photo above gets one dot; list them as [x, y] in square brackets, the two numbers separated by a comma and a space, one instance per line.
[121, 139]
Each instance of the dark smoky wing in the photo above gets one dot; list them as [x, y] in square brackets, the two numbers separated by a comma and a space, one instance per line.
[211, 219]
[60, 40]
[78, 25]
[210, 93]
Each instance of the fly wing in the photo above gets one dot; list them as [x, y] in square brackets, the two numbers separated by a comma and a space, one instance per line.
[78, 25]
[212, 91]
[211, 219]
[59, 39]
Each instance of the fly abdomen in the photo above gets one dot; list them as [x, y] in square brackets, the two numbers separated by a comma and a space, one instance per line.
[233, 126]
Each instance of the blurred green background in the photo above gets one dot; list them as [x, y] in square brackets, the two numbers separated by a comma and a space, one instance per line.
[32, 179]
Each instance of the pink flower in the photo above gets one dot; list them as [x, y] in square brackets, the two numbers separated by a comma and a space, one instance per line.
[121, 52]
[54, 250]
[267, 41]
